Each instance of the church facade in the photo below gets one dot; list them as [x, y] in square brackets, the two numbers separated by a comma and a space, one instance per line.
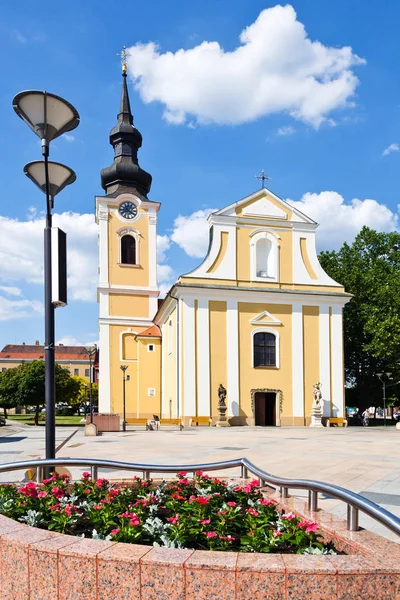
[258, 315]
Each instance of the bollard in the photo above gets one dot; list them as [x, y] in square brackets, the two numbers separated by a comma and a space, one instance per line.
[312, 500]
[352, 518]
[284, 491]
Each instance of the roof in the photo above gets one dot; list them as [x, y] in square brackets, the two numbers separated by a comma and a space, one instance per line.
[36, 352]
[152, 331]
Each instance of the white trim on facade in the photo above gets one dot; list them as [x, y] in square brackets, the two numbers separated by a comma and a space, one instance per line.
[324, 359]
[203, 359]
[337, 399]
[272, 272]
[297, 360]
[260, 319]
[104, 369]
[121, 344]
[232, 357]
[189, 350]
[152, 245]
[277, 345]
[122, 232]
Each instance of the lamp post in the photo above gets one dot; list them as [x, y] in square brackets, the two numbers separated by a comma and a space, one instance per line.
[90, 351]
[85, 385]
[124, 379]
[48, 116]
[380, 375]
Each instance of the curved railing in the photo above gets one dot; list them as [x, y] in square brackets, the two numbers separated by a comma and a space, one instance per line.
[355, 502]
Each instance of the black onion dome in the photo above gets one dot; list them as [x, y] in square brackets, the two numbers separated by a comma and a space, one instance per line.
[125, 172]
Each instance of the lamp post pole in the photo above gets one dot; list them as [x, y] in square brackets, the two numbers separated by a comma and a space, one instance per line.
[124, 379]
[48, 116]
[90, 352]
[380, 376]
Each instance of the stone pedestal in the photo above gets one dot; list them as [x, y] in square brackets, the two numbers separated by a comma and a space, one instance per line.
[316, 416]
[91, 429]
[222, 421]
[222, 424]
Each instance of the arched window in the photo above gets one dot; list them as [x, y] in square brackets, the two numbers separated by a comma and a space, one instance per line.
[263, 251]
[264, 346]
[128, 250]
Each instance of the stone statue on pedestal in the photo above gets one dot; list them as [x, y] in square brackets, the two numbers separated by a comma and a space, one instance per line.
[316, 409]
[222, 408]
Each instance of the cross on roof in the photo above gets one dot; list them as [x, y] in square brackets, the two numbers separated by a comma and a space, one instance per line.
[263, 178]
[124, 54]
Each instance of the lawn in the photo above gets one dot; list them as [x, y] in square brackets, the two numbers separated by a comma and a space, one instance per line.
[29, 419]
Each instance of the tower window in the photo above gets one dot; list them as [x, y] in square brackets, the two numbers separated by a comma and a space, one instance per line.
[128, 250]
[150, 348]
[264, 345]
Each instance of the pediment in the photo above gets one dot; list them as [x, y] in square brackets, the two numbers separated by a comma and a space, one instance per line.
[264, 208]
[265, 318]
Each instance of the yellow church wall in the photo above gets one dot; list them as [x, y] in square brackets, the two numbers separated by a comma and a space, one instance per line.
[264, 377]
[148, 377]
[243, 254]
[286, 257]
[137, 275]
[311, 355]
[169, 366]
[218, 363]
[131, 305]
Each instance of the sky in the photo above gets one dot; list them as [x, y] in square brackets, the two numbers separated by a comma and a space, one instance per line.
[308, 91]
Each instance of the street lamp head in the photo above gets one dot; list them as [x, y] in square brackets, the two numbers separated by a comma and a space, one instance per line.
[59, 176]
[379, 375]
[90, 350]
[388, 375]
[48, 115]
[124, 368]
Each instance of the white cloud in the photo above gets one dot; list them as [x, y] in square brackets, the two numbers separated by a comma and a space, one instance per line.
[20, 37]
[21, 252]
[191, 232]
[390, 149]
[341, 222]
[286, 130]
[276, 68]
[163, 244]
[69, 340]
[68, 138]
[19, 309]
[10, 291]
[165, 273]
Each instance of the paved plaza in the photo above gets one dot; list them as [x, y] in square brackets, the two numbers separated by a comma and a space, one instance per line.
[363, 460]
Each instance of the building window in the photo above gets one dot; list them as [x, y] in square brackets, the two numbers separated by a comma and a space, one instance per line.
[128, 250]
[87, 372]
[264, 346]
[76, 372]
[150, 348]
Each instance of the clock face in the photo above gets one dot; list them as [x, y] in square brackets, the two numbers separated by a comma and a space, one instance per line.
[128, 210]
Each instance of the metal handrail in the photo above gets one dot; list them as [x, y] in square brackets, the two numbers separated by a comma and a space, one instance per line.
[355, 502]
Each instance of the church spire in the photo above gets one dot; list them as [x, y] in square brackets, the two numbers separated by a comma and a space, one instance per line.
[125, 174]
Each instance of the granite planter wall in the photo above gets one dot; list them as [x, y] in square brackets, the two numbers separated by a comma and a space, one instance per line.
[105, 422]
[41, 565]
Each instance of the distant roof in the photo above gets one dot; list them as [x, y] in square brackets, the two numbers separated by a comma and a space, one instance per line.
[36, 352]
[152, 331]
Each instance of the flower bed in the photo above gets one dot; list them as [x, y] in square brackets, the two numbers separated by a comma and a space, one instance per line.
[200, 513]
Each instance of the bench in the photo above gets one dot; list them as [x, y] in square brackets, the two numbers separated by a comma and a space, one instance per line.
[336, 421]
[170, 422]
[200, 421]
[137, 421]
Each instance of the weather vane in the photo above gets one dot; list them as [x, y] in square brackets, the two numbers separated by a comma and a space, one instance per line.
[263, 178]
[124, 56]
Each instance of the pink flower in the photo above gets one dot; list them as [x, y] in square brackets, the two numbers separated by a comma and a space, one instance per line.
[222, 512]
[134, 521]
[202, 500]
[182, 473]
[184, 481]
[231, 503]
[309, 526]
[98, 506]
[238, 488]
[288, 517]
[205, 521]
[211, 534]
[199, 473]
[86, 475]
[68, 510]
[115, 531]
[252, 511]
[276, 533]
[52, 478]
[88, 491]
[227, 538]
[173, 520]
[267, 501]
[101, 483]
[113, 492]
[57, 492]
[42, 494]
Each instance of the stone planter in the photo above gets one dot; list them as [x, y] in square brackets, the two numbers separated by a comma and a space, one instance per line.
[41, 565]
[105, 422]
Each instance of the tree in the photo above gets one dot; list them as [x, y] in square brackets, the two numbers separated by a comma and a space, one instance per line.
[9, 387]
[370, 270]
[32, 385]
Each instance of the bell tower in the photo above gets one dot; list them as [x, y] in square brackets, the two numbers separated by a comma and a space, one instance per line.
[127, 291]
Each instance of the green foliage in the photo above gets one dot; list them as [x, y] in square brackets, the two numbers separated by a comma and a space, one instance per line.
[9, 383]
[198, 513]
[370, 270]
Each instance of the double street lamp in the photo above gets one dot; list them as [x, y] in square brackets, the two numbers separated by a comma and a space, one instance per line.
[90, 351]
[384, 386]
[124, 379]
[49, 116]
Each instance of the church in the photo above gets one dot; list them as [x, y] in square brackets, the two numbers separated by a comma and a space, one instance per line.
[258, 316]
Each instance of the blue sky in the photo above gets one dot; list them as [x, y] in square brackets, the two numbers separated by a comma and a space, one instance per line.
[233, 115]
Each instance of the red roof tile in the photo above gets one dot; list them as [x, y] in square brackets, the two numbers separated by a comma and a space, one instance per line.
[152, 331]
[36, 352]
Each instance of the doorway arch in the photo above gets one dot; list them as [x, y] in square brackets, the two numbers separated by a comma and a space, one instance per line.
[266, 406]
